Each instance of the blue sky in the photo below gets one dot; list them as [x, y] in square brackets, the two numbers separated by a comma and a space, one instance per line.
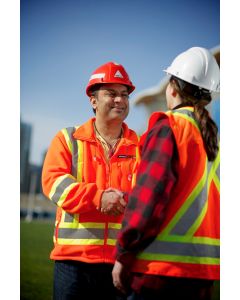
[63, 42]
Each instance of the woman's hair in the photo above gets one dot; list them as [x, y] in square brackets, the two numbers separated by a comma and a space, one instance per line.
[198, 98]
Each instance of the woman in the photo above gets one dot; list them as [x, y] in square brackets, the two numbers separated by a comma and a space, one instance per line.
[168, 247]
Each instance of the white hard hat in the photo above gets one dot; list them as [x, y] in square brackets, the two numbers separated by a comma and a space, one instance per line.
[197, 66]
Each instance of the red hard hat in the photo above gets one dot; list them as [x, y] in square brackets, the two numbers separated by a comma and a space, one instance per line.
[110, 72]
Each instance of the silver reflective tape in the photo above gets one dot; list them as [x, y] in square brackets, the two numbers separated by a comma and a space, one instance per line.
[112, 233]
[184, 112]
[61, 187]
[68, 218]
[74, 158]
[190, 216]
[70, 131]
[185, 249]
[81, 233]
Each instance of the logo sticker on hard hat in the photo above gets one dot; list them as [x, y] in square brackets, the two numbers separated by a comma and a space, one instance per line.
[118, 74]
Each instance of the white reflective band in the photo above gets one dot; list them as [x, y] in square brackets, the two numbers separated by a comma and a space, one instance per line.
[99, 75]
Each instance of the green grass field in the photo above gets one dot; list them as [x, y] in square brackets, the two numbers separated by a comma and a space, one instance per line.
[36, 273]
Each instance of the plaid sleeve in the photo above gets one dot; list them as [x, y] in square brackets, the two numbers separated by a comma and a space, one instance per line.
[155, 179]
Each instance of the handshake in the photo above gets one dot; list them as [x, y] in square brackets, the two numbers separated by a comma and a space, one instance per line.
[112, 202]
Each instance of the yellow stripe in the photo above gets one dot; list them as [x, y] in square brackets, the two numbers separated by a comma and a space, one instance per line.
[186, 108]
[189, 239]
[180, 258]
[114, 225]
[80, 242]
[138, 158]
[111, 242]
[68, 141]
[213, 176]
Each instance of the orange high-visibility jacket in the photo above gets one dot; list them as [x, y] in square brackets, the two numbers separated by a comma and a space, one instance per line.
[188, 241]
[74, 176]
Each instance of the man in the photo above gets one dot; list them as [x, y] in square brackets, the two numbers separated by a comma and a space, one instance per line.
[170, 235]
[87, 173]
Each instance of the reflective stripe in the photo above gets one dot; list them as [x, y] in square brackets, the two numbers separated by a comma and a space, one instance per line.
[113, 230]
[218, 171]
[136, 164]
[186, 113]
[65, 193]
[73, 148]
[83, 242]
[192, 207]
[81, 233]
[87, 225]
[70, 218]
[189, 239]
[181, 259]
[74, 158]
[67, 132]
[212, 168]
[59, 186]
[177, 225]
[79, 161]
[76, 171]
[111, 242]
[215, 171]
[183, 249]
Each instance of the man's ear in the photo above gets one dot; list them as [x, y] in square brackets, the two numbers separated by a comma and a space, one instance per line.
[93, 101]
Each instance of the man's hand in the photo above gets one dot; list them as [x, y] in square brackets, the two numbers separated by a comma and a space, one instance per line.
[112, 202]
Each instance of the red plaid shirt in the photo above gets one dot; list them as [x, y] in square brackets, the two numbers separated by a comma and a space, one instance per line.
[145, 211]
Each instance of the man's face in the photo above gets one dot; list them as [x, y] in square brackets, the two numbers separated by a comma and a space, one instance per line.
[111, 102]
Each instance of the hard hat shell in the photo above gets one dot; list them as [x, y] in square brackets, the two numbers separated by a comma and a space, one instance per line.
[197, 66]
[110, 72]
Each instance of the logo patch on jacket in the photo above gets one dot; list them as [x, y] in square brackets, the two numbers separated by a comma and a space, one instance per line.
[126, 156]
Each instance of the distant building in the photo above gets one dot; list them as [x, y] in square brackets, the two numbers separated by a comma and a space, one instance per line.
[25, 144]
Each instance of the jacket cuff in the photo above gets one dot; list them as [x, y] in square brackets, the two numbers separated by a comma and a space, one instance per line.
[97, 199]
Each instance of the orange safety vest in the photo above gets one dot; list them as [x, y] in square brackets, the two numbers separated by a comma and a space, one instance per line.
[75, 174]
[188, 241]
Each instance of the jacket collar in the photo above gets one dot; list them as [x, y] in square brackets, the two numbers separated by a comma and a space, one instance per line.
[86, 132]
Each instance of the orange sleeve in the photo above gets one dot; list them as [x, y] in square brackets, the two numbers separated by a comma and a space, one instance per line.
[61, 187]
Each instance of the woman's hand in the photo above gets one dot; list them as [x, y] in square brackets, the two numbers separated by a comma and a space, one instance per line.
[117, 275]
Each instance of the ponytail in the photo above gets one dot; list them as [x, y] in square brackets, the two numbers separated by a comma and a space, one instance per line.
[208, 129]
[199, 98]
